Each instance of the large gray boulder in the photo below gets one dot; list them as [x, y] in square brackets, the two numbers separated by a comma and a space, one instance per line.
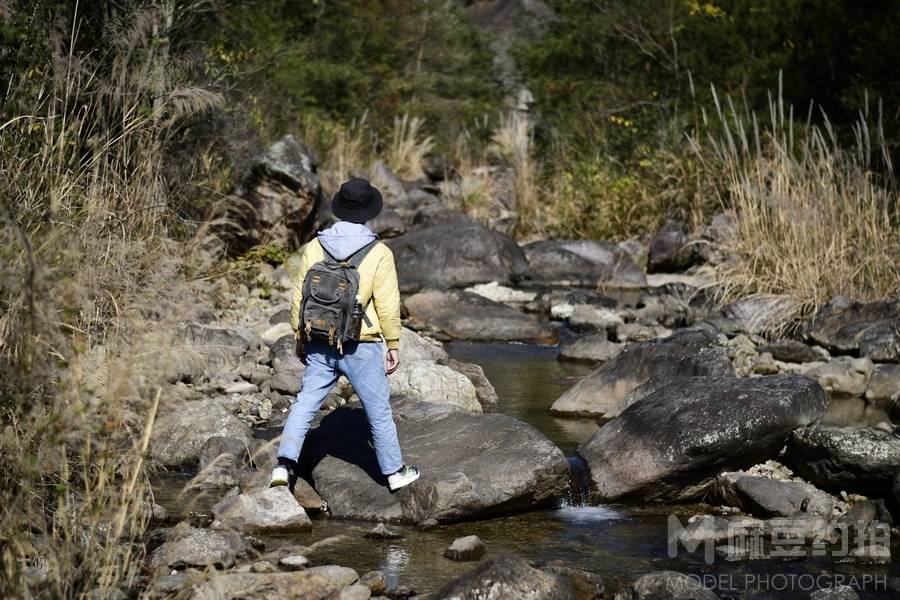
[467, 316]
[264, 511]
[871, 329]
[180, 433]
[666, 585]
[507, 576]
[455, 251]
[854, 459]
[582, 263]
[640, 369]
[670, 445]
[279, 199]
[472, 466]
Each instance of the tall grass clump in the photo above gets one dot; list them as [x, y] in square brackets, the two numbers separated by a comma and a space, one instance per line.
[408, 147]
[513, 139]
[815, 217]
[88, 270]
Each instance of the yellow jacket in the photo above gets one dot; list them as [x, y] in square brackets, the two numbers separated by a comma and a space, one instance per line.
[378, 292]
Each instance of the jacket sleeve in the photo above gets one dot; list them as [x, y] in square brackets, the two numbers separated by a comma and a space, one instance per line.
[386, 296]
[297, 296]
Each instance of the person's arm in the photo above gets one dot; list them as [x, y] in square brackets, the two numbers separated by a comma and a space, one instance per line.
[386, 296]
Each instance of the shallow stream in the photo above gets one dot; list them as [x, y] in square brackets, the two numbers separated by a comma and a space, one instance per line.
[619, 543]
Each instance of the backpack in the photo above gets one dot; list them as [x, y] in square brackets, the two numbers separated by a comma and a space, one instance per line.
[331, 308]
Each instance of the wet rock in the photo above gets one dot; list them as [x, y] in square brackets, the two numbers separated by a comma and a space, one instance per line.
[375, 581]
[672, 443]
[614, 386]
[318, 582]
[666, 585]
[280, 198]
[671, 249]
[884, 387]
[265, 511]
[845, 458]
[871, 329]
[456, 253]
[506, 576]
[582, 263]
[179, 435]
[484, 389]
[767, 497]
[427, 381]
[590, 349]
[465, 316]
[838, 592]
[525, 470]
[465, 548]
[186, 546]
[794, 352]
[294, 562]
[844, 375]
[380, 532]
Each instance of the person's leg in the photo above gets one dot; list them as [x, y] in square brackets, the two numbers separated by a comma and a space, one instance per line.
[364, 367]
[320, 376]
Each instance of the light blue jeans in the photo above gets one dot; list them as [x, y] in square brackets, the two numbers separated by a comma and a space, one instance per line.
[363, 364]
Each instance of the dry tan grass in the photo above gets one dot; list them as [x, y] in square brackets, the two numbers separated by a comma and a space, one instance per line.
[408, 147]
[87, 266]
[815, 219]
[514, 140]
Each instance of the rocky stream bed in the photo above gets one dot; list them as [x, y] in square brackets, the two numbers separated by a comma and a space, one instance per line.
[563, 399]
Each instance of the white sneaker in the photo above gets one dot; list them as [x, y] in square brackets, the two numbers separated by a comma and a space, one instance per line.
[402, 478]
[279, 476]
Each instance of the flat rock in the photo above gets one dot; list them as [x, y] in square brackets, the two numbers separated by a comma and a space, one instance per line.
[666, 585]
[583, 263]
[672, 443]
[294, 562]
[180, 433]
[456, 252]
[465, 548]
[465, 316]
[506, 576]
[767, 497]
[845, 458]
[187, 547]
[450, 447]
[266, 511]
[590, 349]
[794, 351]
[871, 329]
[319, 583]
[639, 369]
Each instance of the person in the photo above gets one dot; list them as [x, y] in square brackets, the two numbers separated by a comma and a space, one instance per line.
[366, 363]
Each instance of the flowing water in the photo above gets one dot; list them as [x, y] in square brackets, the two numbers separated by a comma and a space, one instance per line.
[620, 543]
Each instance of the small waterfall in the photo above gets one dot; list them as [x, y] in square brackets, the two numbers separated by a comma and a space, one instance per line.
[579, 493]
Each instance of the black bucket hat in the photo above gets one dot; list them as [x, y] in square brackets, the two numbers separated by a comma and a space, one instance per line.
[357, 201]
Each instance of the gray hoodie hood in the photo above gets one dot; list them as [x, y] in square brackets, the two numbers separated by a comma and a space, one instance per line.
[343, 238]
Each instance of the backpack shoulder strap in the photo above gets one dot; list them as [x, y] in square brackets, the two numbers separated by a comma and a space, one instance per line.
[360, 255]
